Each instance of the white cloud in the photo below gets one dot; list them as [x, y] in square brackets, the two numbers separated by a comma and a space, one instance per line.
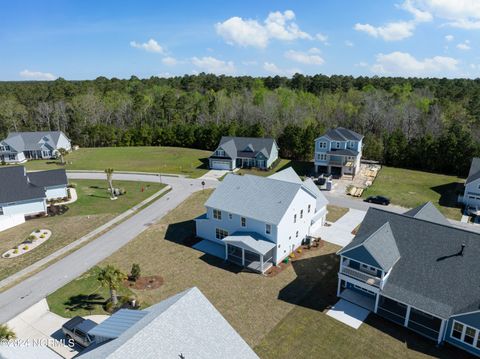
[463, 14]
[304, 57]
[170, 61]
[449, 38]
[464, 45]
[250, 63]
[213, 65]
[248, 32]
[361, 64]
[314, 50]
[37, 75]
[397, 30]
[403, 64]
[349, 43]
[274, 69]
[322, 38]
[149, 46]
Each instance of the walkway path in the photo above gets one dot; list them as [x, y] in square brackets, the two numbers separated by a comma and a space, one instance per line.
[30, 291]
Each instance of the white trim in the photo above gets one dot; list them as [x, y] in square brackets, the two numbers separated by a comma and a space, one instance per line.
[466, 313]
[421, 310]
[476, 336]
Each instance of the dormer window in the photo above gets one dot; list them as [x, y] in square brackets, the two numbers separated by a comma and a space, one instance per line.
[220, 153]
[322, 145]
[351, 144]
[337, 144]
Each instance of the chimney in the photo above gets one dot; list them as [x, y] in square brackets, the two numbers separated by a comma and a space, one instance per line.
[462, 250]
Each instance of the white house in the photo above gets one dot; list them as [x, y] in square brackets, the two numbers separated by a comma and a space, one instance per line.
[19, 147]
[233, 152]
[338, 152]
[258, 221]
[25, 194]
[471, 196]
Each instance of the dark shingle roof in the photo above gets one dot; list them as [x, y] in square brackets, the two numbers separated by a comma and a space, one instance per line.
[235, 146]
[430, 274]
[343, 134]
[428, 212]
[15, 187]
[48, 178]
[474, 172]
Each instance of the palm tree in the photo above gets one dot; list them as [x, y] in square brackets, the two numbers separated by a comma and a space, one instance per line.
[111, 278]
[62, 152]
[109, 172]
[6, 333]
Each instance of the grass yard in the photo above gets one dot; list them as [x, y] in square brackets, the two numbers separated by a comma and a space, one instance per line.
[92, 209]
[410, 188]
[186, 161]
[302, 168]
[335, 212]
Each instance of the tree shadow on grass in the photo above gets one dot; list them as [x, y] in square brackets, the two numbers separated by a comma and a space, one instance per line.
[449, 194]
[84, 302]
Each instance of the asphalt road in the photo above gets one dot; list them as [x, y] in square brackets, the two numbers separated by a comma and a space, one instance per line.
[20, 297]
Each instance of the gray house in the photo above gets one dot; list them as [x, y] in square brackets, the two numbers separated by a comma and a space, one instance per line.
[417, 270]
[233, 152]
[19, 147]
[471, 195]
[186, 326]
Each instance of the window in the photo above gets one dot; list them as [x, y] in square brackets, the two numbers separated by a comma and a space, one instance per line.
[337, 144]
[243, 222]
[309, 207]
[7, 148]
[2, 148]
[301, 213]
[220, 153]
[321, 157]
[230, 216]
[322, 145]
[217, 214]
[351, 144]
[294, 218]
[368, 268]
[465, 334]
[469, 335]
[220, 233]
[11, 157]
[296, 235]
[268, 229]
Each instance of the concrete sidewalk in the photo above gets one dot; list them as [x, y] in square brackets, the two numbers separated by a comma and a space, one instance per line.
[340, 232]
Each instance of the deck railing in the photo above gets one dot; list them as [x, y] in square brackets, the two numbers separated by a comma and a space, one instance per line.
[362, 276]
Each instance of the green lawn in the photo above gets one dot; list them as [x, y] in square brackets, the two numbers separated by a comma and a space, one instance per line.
[186, 161]
[409, 188]
[92, 209]
[335, 212]
[302, 168]
[89, 302]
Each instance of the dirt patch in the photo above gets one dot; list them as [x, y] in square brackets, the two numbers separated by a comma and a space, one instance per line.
[145, 283]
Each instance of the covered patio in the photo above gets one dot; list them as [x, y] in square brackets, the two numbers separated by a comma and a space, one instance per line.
[250, 250]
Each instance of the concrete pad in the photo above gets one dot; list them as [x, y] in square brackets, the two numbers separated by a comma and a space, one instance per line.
[210, 247]
[340, 232]
[215, 174]
[348, 313]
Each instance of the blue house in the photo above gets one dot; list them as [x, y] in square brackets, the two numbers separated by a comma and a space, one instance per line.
[338, 152]
[417, 270]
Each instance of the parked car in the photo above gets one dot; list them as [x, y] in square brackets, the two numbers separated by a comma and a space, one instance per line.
[378, 200]
[77, 329]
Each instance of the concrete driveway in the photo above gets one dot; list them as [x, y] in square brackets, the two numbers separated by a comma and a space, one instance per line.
[214, 175]
[340, 232]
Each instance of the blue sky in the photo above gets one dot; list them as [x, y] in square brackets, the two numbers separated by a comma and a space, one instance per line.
[87, 39]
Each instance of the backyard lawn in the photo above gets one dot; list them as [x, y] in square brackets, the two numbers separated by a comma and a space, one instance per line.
[335, 212]
[186, 161]
[92, 209]
[410, 189]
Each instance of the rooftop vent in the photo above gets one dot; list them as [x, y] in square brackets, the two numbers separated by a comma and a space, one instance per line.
[462, 250]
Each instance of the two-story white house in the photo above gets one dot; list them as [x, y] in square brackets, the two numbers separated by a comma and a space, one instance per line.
[338, 152]
[258, 221]
[19, 147]
[471, 196]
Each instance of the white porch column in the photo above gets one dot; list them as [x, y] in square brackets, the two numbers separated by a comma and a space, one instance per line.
[226, 251]
[338, 287]
[261, 262]
[440, 332]
[407, 316]
[377, 299]
[243, 257]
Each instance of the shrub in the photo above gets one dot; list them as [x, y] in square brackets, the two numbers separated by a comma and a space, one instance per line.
[32, 237]
[42, 236]
[15, 251]
[135, 272]
[45, 233]
[7, 255]
[25, 248]
[109, 306]
[37, 230]
[72, 185]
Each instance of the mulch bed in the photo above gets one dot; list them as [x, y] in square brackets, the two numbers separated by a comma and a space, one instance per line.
[273, 271]
[145, 283]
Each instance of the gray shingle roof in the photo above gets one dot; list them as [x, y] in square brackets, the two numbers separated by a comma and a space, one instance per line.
[235, 146]
[428, 212]
[474, 172]
[251, 241]
[186, 324]
[430, 274]
[48, 178]
[343, 134]
[29, 141]
[15, 187]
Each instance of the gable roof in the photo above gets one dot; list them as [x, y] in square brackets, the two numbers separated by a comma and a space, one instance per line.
[430, 273]
[263, 198]
[186, 323]
[31, 141]
[342, 134]
[48, 178]
[380, 247]
[474, 172]
[235, 146]
[428, 212]
[16, 187]
[250, 241]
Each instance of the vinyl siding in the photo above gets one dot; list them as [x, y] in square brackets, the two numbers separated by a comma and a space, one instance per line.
[25, 207]
[56, 192]
[472, 320]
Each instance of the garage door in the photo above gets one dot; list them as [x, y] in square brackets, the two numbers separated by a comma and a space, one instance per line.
[220, 165]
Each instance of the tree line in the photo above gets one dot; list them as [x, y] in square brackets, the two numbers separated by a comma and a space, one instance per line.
[426, 124]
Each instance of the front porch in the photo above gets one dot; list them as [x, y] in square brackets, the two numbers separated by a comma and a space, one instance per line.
[249, 250]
